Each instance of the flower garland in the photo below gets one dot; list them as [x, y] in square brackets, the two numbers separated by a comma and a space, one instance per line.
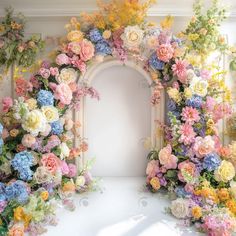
[36, 147]
[14, 49]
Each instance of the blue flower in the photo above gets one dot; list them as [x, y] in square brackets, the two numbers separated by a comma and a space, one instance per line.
[171, 105]
[1, 129]
[211, 162]
[102, 47]
[155, 63]
[181, 192]
[95, 35]
[195, 101]
[45, 98]
[56, 128]
[22, 162]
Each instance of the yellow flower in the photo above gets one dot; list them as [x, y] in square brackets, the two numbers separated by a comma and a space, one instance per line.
[199, 86]
[197, 212]
[44, 195]
[32, 103]
[174, 94]
[193, 37]
[75, 35]
[167, 22]
[106, 34]
[223, 194]
[225, 172]
[18, 213]
[188, 93]
[155, 183]
[2, 28]
[14, 133]
[51, 113]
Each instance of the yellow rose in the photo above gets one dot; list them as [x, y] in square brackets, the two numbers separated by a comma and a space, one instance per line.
[32, 103]
[188, 93]
[34, 122]
[44, 195]
[155, 183]
[196, 212]
[14, 132]
[199, 86]
[174, 94]
[75, 35]
[225, 172]
[18, 213]
[51, 113]
[106, 34]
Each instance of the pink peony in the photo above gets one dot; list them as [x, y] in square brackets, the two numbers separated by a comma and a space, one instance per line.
[64, 168]
[187, 134]
[190, 115]
[45, 73]
[87, 50]
[51, 162]
[188, 168]
[180, 70]
[165, 52]
[62, 59]
[168, 160]
[203, 146]
[54, 71]
[63, 93]
[72, 171]
[6, 104]
[152, 168]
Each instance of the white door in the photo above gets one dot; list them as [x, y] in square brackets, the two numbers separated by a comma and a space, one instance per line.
[117, 124]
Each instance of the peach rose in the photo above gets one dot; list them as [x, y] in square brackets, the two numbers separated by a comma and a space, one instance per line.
[87, 50]
[28, 140]
[63, 93]
[51, 162]
[203, 146]
[168, 160]
[165, 52]
[152, 168]
[16, 230]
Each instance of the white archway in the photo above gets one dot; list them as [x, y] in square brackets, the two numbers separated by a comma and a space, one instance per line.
[157, 112]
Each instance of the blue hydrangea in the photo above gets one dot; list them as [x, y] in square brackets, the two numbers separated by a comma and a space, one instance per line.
[181, 192]
[1, 129]
[45, 98]
[211, 162]
[56, 127]
[102, 47]
[95, 35]
[155, 63]
[195, 101]
[171, 105]
[22, 162]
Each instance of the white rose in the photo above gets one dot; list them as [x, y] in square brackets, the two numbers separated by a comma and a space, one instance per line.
[57, 177]
[47, 130]
[51, 113]
[190, 74]
[65, 151]
[132, 36]
[180, 208]
[42, 175]
[67, 76]
[199, 86]
[80, 181]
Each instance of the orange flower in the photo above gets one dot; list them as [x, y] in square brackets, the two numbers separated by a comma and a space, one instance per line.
[44, 195]
[196, 212]
[231, 205]
[84, 147]
[18, 213]
[223, 194]
[68, 187]
[14, 133]
[155, 183]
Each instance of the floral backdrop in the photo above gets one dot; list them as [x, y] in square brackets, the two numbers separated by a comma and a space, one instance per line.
[37, 155]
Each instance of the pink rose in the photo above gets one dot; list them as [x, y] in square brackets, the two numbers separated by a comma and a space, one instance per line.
[203, 146]
[87, 50]
[22, 87]
[6, 104]
[187, 168]
[165, 52]
[62, 59]
[28, 140]
[72, 171]
[63, 93]
[64, 168]
[51, 162]
[54, 71]
[45, 73]
[74, 47]
[152, 168]
[168, 160]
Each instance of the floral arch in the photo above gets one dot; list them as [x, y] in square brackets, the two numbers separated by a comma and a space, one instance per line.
[38, 151]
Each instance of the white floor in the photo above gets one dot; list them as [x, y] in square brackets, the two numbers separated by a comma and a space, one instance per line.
[122, 208]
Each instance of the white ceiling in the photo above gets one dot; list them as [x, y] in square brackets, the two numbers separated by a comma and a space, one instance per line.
[33, 8]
